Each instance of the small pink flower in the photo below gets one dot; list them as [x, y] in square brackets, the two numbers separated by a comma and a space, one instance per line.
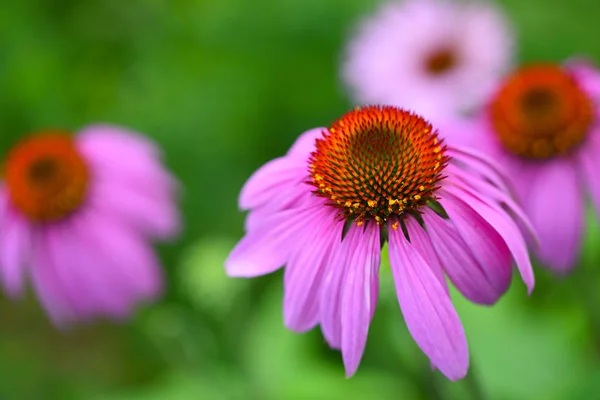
[76, 214]
[380, 174]
[435, 57]
[542, 127]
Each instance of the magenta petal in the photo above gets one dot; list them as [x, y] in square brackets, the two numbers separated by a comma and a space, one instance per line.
[427, 309]
[272, 179]
[153, 214]
[268, 247]
[305, 270]
[330, 297]
[47, 282]
[305, 144]
[358, 301]
[555, 207]
[506, 227]
[460, 264]
[485, 243]
[422, 242]
[15, 248]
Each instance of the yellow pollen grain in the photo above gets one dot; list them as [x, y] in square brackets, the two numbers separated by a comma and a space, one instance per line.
[372, 203]
[359, 223]
[356, 205]
[437, 149]
[421, 188]
[417, 197]
[348, 204]
[395, 226]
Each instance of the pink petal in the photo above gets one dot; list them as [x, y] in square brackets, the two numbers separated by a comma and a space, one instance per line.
[153, 214]
[485, 243]
[47, 281]
[461, 265]
[15, 247]
[274, 178]
[268, 247]
[504, 225]
[330, 297]
[427, 309]
[422, 243]
[555, 207]
[305, 270]
[586, 74]
[359, 295]
[305, 144]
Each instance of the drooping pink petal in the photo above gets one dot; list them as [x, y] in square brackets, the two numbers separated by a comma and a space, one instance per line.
[15, 247]
[485, 243]
[358, 300]
[422, 243]
[556, 211]
[305, 271]
[330, 297]
[504, 225]
[458, 260]
[427, 309]
[47, 282]
[267, 248]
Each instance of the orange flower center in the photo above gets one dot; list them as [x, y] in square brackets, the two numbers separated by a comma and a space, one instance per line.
[376, 162]
[46, 176]
[541, 112]
[440, 61]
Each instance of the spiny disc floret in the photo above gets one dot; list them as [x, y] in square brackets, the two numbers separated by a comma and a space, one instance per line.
[378, 161]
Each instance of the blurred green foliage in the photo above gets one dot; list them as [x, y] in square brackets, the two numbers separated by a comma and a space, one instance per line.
[224, 86]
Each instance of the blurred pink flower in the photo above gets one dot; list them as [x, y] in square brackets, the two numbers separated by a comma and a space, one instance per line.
[76, 214]
[435, 57]
[380, 174]
[542, 127]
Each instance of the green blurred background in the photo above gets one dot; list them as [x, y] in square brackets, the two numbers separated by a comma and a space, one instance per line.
[224, 86]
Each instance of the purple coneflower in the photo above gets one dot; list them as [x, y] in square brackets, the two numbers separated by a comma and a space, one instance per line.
[542, 127]
[435, 57]
[76, 214]
[380, 174]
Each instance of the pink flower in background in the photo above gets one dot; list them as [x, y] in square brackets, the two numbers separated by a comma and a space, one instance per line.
[435, 57]
[542, 127]
[76, 215]
[380, 174]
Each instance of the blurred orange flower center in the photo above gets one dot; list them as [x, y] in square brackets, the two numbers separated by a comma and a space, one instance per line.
[378, 161]
[440, 61]
[46, 176]
[541, 112]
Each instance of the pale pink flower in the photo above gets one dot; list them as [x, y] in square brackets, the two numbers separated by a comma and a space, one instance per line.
[435, 57]
[380, 174]
[76, 216]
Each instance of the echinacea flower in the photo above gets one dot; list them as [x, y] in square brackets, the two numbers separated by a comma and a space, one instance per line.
[380, 174]
[541, 125]
[76, 216]
[434, 57]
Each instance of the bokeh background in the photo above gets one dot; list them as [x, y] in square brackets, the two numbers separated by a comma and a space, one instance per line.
[223, 86]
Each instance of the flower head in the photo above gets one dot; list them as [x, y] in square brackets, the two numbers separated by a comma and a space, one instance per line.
[76, 214]
[542, 125]
[435, 57]
[381, 174]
